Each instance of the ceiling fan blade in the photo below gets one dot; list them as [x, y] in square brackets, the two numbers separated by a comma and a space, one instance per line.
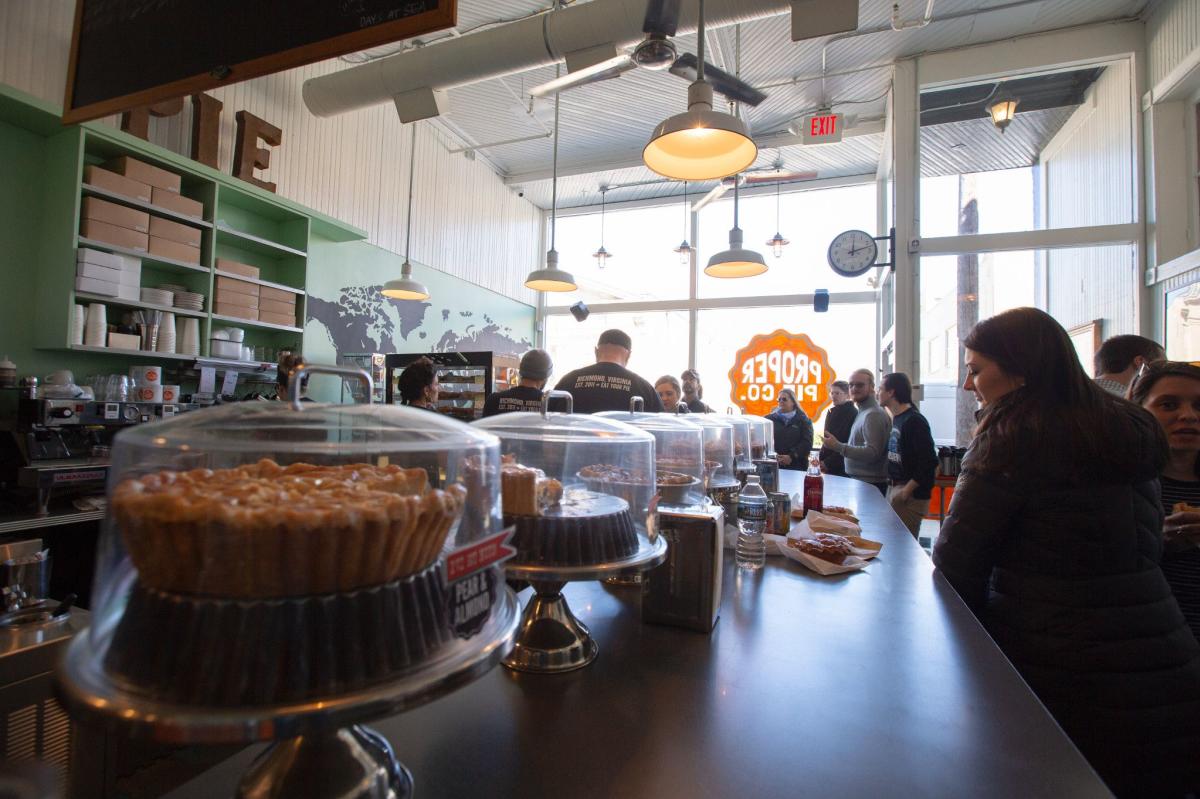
[662, 17]
[714, 194]
[722, 82]
[609, 68]
[780, 177]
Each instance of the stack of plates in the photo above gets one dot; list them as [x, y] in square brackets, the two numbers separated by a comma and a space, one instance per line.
[158, 296]
[189, 300]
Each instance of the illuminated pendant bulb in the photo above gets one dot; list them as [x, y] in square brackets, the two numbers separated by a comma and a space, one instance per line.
[407, 288]
[736, 261]
[1003, 111]
[777, 242]
[602, 255]
[551, 278]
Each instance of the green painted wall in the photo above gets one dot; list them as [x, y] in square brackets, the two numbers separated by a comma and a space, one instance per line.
[346, 313]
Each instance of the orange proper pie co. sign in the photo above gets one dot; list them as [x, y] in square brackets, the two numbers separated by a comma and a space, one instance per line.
[777, 361]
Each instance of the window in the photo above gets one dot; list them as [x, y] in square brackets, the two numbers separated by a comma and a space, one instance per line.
[643, 265]
[660, 341]
[1004, 201]
[809, 219]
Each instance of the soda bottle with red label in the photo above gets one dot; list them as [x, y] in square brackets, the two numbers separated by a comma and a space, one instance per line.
[814, 487]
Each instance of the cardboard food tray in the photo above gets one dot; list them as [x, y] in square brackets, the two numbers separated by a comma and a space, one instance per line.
[863, 550]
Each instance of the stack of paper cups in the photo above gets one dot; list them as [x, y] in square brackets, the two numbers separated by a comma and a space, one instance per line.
[77, 323]
[95, 330]
[166, 333]
[188, 342]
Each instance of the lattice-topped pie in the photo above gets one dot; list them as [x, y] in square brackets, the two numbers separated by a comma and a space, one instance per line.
[264, 530]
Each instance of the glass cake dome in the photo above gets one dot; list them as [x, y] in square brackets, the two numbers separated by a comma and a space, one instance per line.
[578, 488]
[762, 437]
[678, 454]
[720, 470]
[258, 554]
[741, 438]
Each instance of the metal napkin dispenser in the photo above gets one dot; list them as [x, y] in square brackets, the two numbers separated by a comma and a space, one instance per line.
[685, 591]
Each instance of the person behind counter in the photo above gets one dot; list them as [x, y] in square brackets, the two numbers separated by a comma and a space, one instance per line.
[526, 395]
[1171, 391]
[607, 385]
[793, 432]
[287, 362]
[669, 392]
[1053, 539]
[418, 384]
[693, 392]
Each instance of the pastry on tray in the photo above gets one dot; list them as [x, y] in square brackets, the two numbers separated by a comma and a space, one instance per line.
[826, 546]
[263, 530]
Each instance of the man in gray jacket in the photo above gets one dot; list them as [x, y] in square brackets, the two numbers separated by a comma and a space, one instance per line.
[866, 452]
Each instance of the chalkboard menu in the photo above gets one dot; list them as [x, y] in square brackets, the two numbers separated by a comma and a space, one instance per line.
[130, 53]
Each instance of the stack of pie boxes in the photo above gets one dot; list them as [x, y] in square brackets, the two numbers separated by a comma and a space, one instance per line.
[133, 229]
[237, 298]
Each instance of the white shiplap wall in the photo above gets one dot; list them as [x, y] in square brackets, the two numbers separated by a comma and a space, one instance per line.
[1088, 169]
[353, 167]
[1172, 32]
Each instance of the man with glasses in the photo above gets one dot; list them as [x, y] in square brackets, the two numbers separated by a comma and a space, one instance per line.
[866, 450]
[1119, 359]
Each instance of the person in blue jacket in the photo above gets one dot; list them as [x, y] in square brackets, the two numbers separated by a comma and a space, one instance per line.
[793, 432]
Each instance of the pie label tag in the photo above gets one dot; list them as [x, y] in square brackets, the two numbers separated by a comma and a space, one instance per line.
[472, 584]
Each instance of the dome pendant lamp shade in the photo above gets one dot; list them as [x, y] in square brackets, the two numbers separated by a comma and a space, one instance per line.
[700, 144]
[551, 278]
[736, 261]
[406, 288]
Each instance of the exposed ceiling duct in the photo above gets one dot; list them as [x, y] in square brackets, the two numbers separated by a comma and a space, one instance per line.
[516, 47]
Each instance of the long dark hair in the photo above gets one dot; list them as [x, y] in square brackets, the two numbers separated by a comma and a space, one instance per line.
[1139, 392]
[1059, 415]
[413, 380]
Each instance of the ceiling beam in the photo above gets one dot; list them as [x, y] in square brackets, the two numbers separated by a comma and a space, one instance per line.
[784, 139]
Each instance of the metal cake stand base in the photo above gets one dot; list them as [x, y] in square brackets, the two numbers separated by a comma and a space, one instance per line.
[352, 763]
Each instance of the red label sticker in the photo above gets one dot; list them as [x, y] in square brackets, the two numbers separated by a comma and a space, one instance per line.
[479, 555]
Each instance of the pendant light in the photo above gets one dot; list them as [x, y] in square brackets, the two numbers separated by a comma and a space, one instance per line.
[406, 288]
[602, 255]
[700, 144]
[736, 261]
[685, 249]
[551, 278]
[1003, 110]
[778, 242]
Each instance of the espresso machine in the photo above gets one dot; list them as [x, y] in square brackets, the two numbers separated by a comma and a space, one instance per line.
[61, 446]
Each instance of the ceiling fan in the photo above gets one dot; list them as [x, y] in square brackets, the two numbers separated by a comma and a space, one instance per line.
[656, 52]
[745, 179]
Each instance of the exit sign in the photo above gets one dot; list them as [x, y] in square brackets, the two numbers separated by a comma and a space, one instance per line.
[822, 128]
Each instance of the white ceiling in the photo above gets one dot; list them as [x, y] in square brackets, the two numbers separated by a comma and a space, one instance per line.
[604, 126]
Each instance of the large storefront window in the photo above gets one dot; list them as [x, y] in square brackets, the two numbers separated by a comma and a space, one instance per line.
[808, 219]
[643, 265]
[660, 341]
[846, 332]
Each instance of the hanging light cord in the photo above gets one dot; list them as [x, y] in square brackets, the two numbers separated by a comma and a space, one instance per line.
[603, 195]
[700, 46]
[412, 165]
[685, 211]
[554, 171]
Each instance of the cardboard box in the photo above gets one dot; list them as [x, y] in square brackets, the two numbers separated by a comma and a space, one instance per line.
[276, 307]
[101, 258]
[233, 298]
[133, 293]
[145, 173]
[124, 341]
[245, 270]
[131, 277]
[277, 295]
[225, 309]
[232, 285]
[93, 286]
[174, 231]
[277, 319]
[173, 249]
[105, 273]
[113, 214]
[116, 236]
[176, 202]
[117, 184]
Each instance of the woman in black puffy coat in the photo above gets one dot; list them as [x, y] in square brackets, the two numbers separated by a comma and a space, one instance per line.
[793, 432]
[1053, 538]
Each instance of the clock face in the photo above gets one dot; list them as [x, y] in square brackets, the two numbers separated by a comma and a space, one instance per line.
[852, 253]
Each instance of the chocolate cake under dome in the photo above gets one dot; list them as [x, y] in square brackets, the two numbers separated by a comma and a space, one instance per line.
[678, 453]
[252, 551]
[561, 517]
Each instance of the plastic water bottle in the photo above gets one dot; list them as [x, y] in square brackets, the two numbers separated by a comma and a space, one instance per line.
[752, 519]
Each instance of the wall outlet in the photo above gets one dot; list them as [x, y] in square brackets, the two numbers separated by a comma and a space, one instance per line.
[914, 245]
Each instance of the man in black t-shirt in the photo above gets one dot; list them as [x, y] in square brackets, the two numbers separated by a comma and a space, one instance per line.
[535, 369]
[607, 385]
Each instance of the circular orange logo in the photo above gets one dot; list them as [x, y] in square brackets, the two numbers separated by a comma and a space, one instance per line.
[781, 360]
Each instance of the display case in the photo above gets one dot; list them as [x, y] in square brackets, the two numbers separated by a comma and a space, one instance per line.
[373, 363]
[465, 379]
[678, 454]
[269, 570]
[762, 437]
[741, 439]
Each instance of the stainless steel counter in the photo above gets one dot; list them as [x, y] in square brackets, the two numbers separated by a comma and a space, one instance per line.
[869, 684]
